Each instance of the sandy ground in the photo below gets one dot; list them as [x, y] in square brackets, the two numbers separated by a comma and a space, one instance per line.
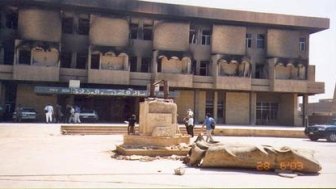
[39, 156]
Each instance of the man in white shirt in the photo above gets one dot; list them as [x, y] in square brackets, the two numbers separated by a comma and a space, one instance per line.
[49, 110]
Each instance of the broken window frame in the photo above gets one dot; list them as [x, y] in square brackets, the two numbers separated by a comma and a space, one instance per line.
[133, 63]
[83, 26]
[133, 31]
[95, 61]
[145, 64]
[81, 60]
[66, 59]
[68, 25]
[204, 68]
[248, 40]
[12, 20]
[147, 31]
[206, 37]
[24, 57]
[193, 36]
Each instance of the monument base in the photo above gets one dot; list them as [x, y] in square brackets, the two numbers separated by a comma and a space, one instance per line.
[136, 140]
[154, 146]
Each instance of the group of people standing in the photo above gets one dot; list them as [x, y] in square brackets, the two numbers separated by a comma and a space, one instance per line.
[55, 115]
[209, 124]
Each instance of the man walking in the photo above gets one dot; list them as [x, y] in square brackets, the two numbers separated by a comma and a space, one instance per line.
[208, 122]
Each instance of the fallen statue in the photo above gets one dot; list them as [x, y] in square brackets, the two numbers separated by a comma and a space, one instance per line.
[262, 158]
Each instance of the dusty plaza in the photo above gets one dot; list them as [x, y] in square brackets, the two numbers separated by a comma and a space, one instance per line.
[38, 155]
[139, 94]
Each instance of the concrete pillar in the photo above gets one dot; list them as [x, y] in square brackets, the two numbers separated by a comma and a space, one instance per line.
[215, 104]
[196, 107]
[305, 120]
[198, 65]
[74, 59]
[89, 58]
[253, 108]
[138, 63]
[271, 72]
[214, 60]
[126, 63]
[154, 61]
[16, 53]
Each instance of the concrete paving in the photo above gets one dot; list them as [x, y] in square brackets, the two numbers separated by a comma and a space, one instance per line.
[37, 155]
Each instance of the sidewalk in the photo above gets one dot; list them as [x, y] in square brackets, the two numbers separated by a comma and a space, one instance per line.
[121, 128]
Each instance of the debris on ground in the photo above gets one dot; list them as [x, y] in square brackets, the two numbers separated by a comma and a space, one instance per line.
[145, 158]
[179, 171]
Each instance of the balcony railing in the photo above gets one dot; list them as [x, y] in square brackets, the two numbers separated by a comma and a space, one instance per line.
[176, 80]
[35, 73]
[121, 77]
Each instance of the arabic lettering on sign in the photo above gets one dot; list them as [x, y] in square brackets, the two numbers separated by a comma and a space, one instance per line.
[94, 91]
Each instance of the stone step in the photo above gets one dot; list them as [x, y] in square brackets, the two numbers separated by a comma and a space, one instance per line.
[219, 131]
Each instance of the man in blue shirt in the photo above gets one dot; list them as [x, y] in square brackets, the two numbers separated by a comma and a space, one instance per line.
[207, 122]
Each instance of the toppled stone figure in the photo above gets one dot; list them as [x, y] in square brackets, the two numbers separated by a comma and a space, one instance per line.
[262, 158]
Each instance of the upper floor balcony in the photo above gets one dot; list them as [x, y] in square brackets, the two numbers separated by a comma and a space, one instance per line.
[41, 63]
[108, 68]
[35, 61]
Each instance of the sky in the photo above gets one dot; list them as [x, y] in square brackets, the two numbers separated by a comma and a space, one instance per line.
[322, 45]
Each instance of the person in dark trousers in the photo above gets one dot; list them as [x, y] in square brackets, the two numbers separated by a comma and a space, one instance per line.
[189, 122]
[208, 122]
[131, 125]
[58, 114]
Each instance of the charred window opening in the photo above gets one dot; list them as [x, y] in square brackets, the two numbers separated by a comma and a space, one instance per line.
[67, 25]
[24, 56]
[259, 71]
[260, 41]
[83, 26]
[206, 37]
[12, 20]
[204, 67]
[66, 59]
[147, 32]
[95, 59]
[145, 63]
[159, 66]
[133, 62]
[134, 31]
[248, 40]
[193, 36]
[81, 60]
[302, 44]
[8, 56]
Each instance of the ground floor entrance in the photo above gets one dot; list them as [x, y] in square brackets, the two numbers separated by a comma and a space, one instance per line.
[109, 109]
[114, 104]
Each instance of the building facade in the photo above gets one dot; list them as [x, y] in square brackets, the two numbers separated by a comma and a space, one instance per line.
[245, 68]
[323, 111]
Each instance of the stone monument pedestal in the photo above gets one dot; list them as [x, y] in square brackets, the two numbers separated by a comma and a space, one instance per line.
[159, 134]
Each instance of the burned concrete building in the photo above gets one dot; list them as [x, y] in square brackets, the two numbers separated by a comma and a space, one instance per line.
[245, 68]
